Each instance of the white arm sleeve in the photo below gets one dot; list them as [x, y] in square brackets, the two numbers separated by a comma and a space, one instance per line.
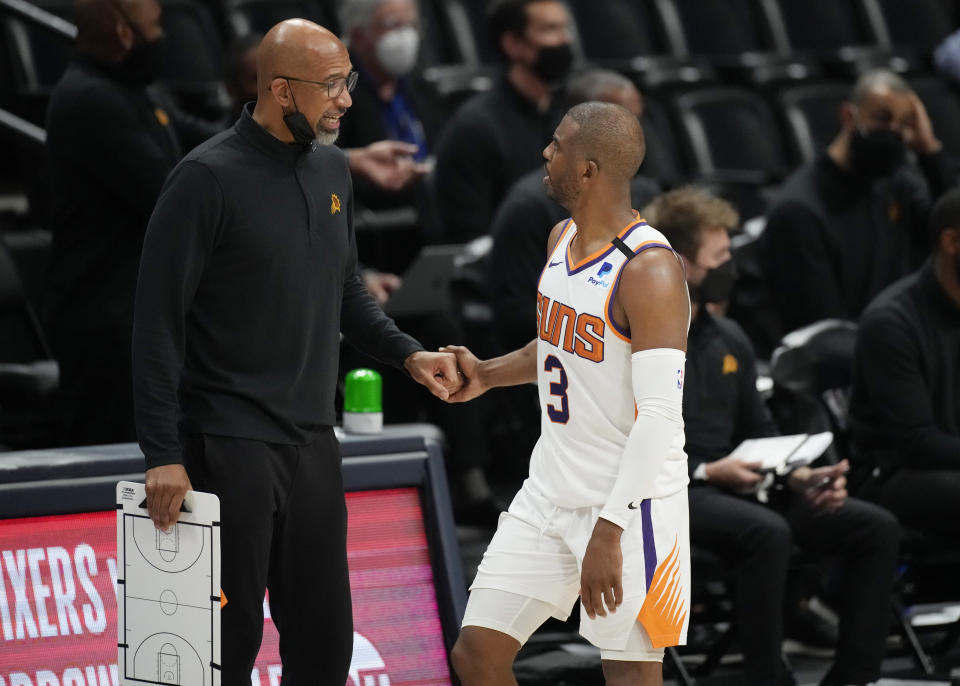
[656, 433]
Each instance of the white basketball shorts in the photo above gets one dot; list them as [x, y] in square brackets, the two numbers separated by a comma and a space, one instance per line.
[536, 554]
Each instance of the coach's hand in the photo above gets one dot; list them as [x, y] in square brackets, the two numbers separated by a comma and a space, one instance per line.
[471, 373]
[166, 486]
[601, 578]
[436, 371]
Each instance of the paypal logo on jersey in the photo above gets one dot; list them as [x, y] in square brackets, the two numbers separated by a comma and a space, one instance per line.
[597, 280]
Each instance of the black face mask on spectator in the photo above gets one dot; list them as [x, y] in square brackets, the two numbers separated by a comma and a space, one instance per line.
[554, 62]
[304, 134]
[876, 153]
[716, 285]
[145, 59]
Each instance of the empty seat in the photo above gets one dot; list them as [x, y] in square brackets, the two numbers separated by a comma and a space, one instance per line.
[258, 16]
[918, 26]
[192, 65]
[36, 56]
[734, 145]
[812, 115]
[632, 36]
[664, 159]
[732, 135]
[618, 30]
[29, 377]
[840, 33]
[736, 37]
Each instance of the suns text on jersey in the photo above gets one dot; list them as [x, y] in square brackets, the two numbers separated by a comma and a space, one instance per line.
[582, 333]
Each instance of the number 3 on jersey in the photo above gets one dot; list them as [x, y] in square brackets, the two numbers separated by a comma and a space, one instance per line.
[559, 389]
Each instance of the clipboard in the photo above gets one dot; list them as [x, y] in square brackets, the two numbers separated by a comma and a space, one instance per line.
[168, 592]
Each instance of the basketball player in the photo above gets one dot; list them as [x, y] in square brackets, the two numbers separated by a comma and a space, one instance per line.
[603, 514]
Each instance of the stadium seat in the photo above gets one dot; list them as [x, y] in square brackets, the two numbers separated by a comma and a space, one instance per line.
[733, 142]
[664, 160]
[258, 16]
[736, 37]
[918, 26]
[845, 35]
[192, 67]
[811, 113]
[632, 36]
[37, 57]
[29, 377]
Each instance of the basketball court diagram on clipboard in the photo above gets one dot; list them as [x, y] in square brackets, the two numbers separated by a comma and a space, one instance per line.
[168, 592]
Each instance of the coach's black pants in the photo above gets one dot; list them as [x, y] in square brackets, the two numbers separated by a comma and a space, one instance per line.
[283, 527]
[757, 542]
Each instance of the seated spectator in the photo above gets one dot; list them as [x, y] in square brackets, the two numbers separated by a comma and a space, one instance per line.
[112, 137]
[905, 408]
[853, 221]
[498, 136]
[523, 221]
[721, 408]
[391, 101]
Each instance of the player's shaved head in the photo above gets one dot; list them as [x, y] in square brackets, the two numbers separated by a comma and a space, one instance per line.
[610, 136]
[296, 47]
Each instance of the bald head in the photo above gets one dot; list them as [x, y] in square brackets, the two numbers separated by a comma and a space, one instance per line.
[296, 48]
[610, 135]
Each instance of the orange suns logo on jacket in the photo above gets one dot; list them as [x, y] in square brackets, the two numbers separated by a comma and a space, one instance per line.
[334, 203]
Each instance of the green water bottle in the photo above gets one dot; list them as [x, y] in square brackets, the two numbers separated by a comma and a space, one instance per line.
[362, 402]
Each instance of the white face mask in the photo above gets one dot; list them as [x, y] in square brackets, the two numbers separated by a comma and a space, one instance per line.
[397, 51]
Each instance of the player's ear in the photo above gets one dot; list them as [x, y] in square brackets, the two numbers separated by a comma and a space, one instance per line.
[590, 170]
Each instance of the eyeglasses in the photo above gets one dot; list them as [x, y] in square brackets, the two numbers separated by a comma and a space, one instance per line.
[334, 86]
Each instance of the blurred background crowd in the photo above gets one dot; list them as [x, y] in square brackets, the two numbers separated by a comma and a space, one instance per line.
[801, 156]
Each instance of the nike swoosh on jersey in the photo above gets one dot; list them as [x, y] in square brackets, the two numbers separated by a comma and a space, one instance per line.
[631, 506]
[554, 264]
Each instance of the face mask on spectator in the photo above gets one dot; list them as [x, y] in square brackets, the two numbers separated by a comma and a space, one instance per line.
[716, 285]
[397, 51]
[876, 153]
[145, 59]
[554, 62]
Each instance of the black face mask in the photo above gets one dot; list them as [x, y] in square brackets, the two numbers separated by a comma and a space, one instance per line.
[716, 285]
[144, 62]
[874, 154]
[554, 62]
[304, 134]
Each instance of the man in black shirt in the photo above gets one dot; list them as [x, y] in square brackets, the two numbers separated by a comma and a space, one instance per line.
[853, 221]
[497, 136]
[905, 407]
[247, 279]
[523, 221]
[722, 408]
[111, 141]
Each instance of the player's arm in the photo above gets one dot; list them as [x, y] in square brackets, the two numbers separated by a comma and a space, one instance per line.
[512, 369]
[652, 299]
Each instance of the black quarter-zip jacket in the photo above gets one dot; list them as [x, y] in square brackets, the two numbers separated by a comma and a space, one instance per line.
[248, 275]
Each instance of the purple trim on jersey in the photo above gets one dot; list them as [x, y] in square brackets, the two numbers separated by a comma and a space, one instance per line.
[622, 236]
[616, 284]
[649, 545]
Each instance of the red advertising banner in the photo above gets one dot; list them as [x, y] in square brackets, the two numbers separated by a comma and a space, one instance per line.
[58, 613]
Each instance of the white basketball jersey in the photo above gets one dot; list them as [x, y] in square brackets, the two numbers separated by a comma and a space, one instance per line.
[584, 376]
